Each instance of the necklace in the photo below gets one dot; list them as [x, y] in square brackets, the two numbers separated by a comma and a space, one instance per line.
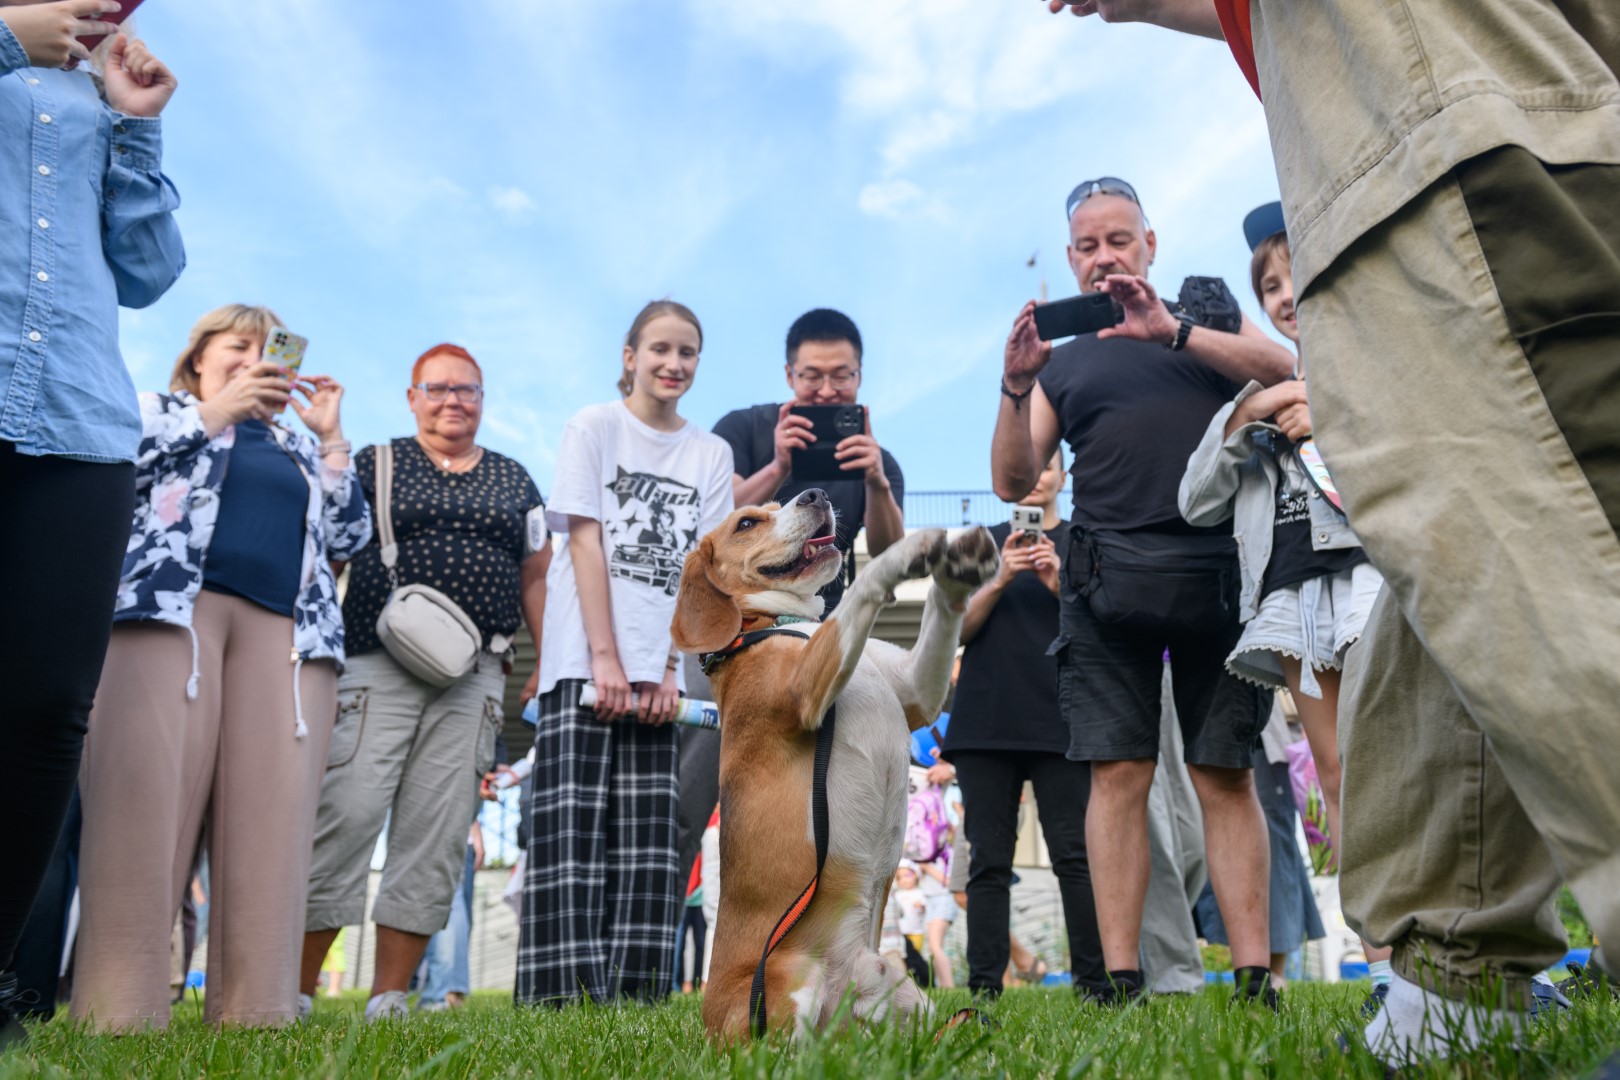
[454, 464]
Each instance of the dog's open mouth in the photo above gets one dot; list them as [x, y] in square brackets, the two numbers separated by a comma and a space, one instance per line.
[809, 555]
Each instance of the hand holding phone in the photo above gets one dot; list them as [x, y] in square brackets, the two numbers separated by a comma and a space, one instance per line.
[829, 426]
[1076, 315]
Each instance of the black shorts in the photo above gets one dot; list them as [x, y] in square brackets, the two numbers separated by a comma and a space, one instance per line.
[1110, 680]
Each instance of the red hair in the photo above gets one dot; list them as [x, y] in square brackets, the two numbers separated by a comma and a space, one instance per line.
[444, 349]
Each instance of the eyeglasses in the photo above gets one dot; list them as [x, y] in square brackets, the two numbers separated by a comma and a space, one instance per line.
[1103, 185]
[840, 380]
[466, 393]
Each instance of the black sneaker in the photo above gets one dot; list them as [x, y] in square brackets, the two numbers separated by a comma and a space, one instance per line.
[1587, 982]
[12, 1033]
[1122, 988]
[1375, 1000]
[1254, 984]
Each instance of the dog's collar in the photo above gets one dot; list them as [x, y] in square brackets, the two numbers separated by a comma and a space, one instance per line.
[783, 625]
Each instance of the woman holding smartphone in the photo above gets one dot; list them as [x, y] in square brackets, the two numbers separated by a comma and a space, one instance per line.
[1006, 728]
[86, 220]
[220, 685]
[637, 485]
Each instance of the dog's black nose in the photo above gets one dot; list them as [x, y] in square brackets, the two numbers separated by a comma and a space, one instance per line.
[813, 497]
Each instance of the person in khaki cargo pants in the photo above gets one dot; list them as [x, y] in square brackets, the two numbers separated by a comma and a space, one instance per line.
[1451, 179]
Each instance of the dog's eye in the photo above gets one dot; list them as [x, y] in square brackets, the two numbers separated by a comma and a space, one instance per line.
[747, 523]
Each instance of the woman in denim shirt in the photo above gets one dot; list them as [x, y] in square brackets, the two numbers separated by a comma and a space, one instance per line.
[85, 226]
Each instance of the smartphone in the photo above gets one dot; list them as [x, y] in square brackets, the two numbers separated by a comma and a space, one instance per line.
[1076, 315]
[1028, 520]
[831, 425]
[116, 17]
[286, 349]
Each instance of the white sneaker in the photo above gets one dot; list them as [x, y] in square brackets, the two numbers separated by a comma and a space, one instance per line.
[1415, 1024]
[388, 1005]
[306, 1005]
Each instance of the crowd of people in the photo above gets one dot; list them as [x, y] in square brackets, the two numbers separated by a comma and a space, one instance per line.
[1441, 606]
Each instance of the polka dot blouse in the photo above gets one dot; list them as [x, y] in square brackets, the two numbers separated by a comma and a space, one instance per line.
[461, 533]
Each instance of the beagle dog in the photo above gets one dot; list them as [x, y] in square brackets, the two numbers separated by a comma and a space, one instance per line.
[761, 568]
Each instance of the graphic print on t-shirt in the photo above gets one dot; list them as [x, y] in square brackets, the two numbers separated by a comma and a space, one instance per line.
[654, 528]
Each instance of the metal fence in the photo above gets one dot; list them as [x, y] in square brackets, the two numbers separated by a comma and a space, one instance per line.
[948, 509]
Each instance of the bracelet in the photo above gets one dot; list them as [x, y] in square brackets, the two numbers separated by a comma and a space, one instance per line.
[335, 448]
[1183, 332]
[672, 663]
[1017, 398]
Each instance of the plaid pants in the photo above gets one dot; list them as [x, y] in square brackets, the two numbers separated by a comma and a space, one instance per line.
[601, 898]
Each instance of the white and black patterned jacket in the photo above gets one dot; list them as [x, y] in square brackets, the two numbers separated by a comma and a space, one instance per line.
[179, 471]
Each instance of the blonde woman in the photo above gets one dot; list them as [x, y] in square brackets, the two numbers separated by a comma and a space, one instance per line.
[220, 685]
[637, 484]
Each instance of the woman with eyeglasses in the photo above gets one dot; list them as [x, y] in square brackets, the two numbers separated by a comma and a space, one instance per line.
[470, 523]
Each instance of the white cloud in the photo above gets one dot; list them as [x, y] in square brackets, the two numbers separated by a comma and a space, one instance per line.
[514, 202]
[888, 198]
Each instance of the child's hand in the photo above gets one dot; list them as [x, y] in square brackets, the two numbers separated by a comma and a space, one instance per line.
[1295, 422]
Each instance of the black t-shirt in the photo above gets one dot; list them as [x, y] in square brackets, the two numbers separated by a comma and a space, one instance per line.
[1132, 413]
[461, 533]
[752, 435]
[1293, 559]
[1006, 698]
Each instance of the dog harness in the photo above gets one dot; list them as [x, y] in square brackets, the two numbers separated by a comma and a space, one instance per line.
[757, 1013]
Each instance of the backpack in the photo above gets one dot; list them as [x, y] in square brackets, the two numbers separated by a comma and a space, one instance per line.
[928, 828]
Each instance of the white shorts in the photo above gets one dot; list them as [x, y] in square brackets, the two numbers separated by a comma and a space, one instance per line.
[1314, 622]
[941, 906]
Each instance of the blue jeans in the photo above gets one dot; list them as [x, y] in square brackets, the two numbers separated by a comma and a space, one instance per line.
[447, 966]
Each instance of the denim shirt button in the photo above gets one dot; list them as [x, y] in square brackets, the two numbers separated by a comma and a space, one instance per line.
[44, 117]
[33, 335]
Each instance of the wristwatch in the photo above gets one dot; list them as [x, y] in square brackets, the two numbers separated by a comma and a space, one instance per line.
[1183, 332]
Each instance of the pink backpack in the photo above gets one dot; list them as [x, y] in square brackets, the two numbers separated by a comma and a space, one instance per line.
[928, 828]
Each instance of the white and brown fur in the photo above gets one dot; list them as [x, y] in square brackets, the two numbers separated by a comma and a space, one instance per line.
[756, 566]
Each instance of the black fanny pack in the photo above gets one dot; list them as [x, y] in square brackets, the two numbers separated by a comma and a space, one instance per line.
[1156, 581]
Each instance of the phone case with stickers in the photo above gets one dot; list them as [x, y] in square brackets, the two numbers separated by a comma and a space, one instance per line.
[286, 349]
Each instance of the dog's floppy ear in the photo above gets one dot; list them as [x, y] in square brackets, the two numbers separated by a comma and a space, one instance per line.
[706, 619]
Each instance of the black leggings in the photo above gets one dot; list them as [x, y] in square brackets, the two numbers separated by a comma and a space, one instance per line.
[61, 551]
[991, 783]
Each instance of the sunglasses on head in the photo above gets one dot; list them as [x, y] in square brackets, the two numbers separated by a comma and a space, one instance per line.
[1103, 185]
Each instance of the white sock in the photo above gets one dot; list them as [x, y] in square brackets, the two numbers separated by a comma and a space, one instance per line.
[1416, 1024]
[1380, 972]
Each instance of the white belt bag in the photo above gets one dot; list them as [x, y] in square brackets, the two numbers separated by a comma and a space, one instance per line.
[424, 630]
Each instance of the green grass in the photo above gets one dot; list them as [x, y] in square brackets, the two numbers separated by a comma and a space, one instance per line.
[1041, 1033]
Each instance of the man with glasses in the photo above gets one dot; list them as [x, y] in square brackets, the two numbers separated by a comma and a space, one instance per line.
[823, 368]
[1133, 401]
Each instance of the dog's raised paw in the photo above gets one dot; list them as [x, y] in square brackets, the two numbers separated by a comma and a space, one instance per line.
[926, 552]
[971, 559]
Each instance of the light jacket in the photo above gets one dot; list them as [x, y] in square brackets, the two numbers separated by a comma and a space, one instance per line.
[179, 472]
[1235, 476]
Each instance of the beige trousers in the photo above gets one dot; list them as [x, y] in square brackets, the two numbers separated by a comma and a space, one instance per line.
[159, 771]
[1464, 369]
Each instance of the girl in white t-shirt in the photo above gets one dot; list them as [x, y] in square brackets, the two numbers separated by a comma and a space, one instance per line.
[636, 487]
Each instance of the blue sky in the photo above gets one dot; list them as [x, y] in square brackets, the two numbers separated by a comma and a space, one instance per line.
[520, 176]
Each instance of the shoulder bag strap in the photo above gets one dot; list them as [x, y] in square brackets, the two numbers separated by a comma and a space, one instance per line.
[385, 518]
